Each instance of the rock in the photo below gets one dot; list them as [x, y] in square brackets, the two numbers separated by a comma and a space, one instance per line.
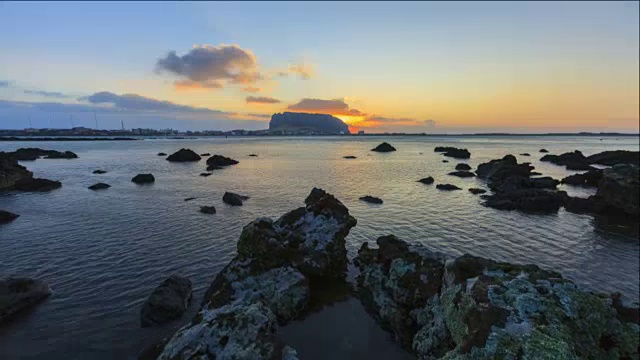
[36, 185]
[525, 154]
[535, 173]
[616, 157]
[190, 198]
[463, 166]
[589, 179]
[19, 294]
[269, 283]
[445, 161]
[619, 188]
[216, 162]
[208, 209]
[428, 180]
[6, 216]
[499, 169]
[469, 307]
[306, 122]
[99, 172]
[205, 154]
[233, 198]
[167, 302]
[453, 152]
[162, 154]
[447, 187]
[371, 199]
[61, 155]
[384, 147]
[572, 160]
[143, 179]
[184, 155]
[205, 174]
[99, 186]
[253, 155]
[544, 150]
[476, 191]
[30, 154]
[11, 171]
[349, 157]
[462, 174]
[529, 200]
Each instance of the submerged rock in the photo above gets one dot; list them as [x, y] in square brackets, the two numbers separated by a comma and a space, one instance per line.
[453, 152]
[190, 198]
[371, 199]
[143, 179]
[208, 209]
[162, 154]
[233, 198]
[590, 178]
[216, 162]
[205, 174]
[269, 283]
[428, 180]
[6, 216]
[463, 166]
[18, 294]
[445, 161]
[99, 186]
[474, 308]
[462, 174]
[99, 172]
[167, 302]
[476, 191]
[184, 155]
[349, 157]
[36, 185]
[616, 157]
[572, 160]
[253, 155]
[384, 147]
[447, 187]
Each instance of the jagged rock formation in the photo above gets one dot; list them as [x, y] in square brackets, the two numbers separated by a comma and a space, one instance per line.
[317, 123]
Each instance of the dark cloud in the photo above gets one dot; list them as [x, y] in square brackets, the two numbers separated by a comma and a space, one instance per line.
[262, 100]
[333, 107]
[5, 83]
[51, 94]
[141, 103]
[207, 65]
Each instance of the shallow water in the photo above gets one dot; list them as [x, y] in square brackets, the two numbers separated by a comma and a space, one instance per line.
[103, 252]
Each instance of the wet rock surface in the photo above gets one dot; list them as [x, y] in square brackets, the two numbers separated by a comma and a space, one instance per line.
[167, 302]
[184, 155]
[7, 216]
[217, 162]
[143, 179]
[18, 294]
[453, 152]
[233, 199]
[371, 199]
[384, 147]
[469, 307]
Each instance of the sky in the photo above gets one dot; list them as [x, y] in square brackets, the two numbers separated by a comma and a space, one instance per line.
[435, 67]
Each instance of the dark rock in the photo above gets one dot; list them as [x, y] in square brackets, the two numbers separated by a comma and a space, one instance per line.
[428, 180]
[11, 171]
[445, 161]
[233, 198]
[207, 209]
[499, 169]
[371, 199]
[349, 157]
[616, 157]
[143, 179]
[462, 174]
[205, 174]
[589, 179]
[61, 155]
[30, 154]
[184, 155]
[205, 154]
[162, 154]
[619, 188]
[318, 123]
[253, 155]
[463, 166]
[216, 162]
[190, 198]
[525, 154]
[384, 147]
[476, 191]
[544, 150]
[453, 152]
[447, 187]
[36, 185]
[99, 186]
[19, 294]
[167, 302]
[99, 172]
[572, 160]
[535, 173]
[529, 200]
[6, 216]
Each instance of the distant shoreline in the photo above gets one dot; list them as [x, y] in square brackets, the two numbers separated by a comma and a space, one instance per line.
[67, 138]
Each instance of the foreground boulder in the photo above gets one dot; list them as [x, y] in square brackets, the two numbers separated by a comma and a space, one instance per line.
[384, 147]
[99, 186]
[474, 308]
[233, 199]
[590, 178]
[143, 179]
[371, 199]
[269, 283]
[11, 171]
[6, 216]
[184, 155]
[453, 152]
[167, 302]
[616, 157]
[216, 162]
[572, 160]
[36, 185]
[18, 294]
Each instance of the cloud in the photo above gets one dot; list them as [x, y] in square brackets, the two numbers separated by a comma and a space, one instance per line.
[251, 89]
[185, 85]
[5, 83]
[381, 121]
[303, 71]
[262, 100]
[51, 94]
[208, 65]
[140, 103]
[333, 107]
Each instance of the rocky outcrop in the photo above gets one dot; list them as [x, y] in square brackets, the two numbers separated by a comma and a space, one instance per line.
[467, 307]
[427, 181]
[572, 160]
[167, 302]
[590, 178]
[143, 179]
[19, 294]
[476, 191]
[371, 199]
[233, 199]
[384, 147]
[453, 152]
[317, 123]
[36, 185]
[447, 187]
[462, 174]
[30, 154]
[6, 216]
[216, 162]
[11, 171]
[184, 155]
[269, 283]
[616, 157]
[99, 186]
[463, 167]
[99, 172]
[208, 209]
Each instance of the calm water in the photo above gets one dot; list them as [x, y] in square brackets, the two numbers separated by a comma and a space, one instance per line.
[103, 252]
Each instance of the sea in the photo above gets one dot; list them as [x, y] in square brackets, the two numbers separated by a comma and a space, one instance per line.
[103, 252]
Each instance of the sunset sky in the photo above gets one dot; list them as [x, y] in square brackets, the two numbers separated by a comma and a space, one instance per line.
[450, 67]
